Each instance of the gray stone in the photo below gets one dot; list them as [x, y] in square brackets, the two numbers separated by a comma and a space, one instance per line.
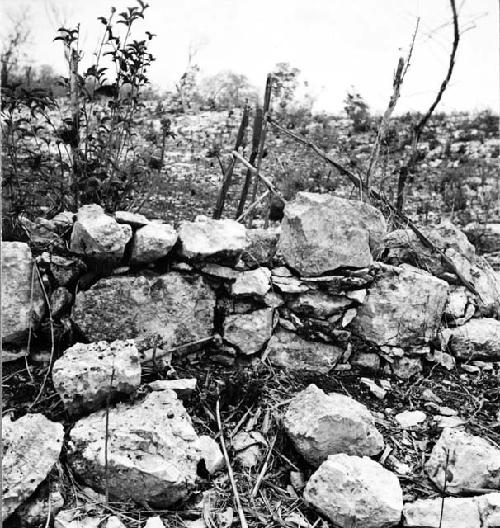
[132, 219]
[255, 283]
[31, 447]
[153, 242]
[211, 454]
[66, 270]
[261, 247]
[321, 233]
[247, 446]
[403, 308]
[182, 387]
[87, 374]
[322, 424]
[60, 301]
[355, 491]
[289, 351]
[460, 461]
[99, 236]
[319, 304]
[434, 513]
[174, 308]
[152, 451]
[222, 241]
[476, 339]
[23, 304]
[406, 367]
[249, 332]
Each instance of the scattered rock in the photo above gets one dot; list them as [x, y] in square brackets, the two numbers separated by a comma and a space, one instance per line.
[289, 351]
[460, 461]
[247, 447]
[365, 360]
[375, 389]
[23, 304]
[476, 339]
[433, 513]
[211, 454]
[403, 308]
[152, 450]
[99, 236]
[409, 419]
[215, 240]
[72, 519]
[289, 285]
[406, 367]
[249, 332]
[87, 374]
[175, 308]
[154, 522]
[357, 295]
[152, 242]
[31, 447]
[254, 283]
[321, 233]
[355, 491]
[322, 424]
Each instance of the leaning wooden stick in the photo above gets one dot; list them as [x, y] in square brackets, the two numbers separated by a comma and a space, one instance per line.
[263, 471]
[252, 207]
[269, 184]
[239, 507]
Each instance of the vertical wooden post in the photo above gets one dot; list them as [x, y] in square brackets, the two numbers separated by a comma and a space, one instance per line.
[262, 142]
[73, 60]
[228, 175]
[257, 130]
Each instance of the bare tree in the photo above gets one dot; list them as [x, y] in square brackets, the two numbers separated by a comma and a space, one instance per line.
[12, 46]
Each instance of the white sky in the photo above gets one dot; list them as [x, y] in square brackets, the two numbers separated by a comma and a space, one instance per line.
[335, 43]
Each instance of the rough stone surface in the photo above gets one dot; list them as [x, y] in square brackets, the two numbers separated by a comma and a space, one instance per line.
[249, 332]
[247, 446]
[72, 519]
[319, 304]
[31, 447]
[152, 450]
[99, 236]
[23, 302]
[175, 308]
[289, 351]
[321, 233]
[355, 491]
[403, 308]
[457, 513]
[66, 270]
[407, 419]
[261, 247]
[472, 462]
[211, 454]
[220, 240]
[254, 283]
[152, 242]
[322, 424]
[476, 339]
[88, 373]
[60, 301]
[182, 387]
[133, 219]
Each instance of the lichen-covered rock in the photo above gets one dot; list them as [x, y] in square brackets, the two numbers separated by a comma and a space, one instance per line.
[151, 242]
[98, 236]
[135, 220]
[87, 374]
[31, 446]
[65, 270]
[321, 233]
[23, 304]
[460, 306]
[355, 491]
[255, 283]
[289, 351]
[403, 308]
[322, 424]
[476, 339]
[249, 332]
[460, 461]
[177, 309]
[214, 240]
[152, 450]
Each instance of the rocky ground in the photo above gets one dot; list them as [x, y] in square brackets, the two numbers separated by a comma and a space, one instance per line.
[321, 372]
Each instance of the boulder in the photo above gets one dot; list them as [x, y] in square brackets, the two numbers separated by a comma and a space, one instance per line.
[261, 247]
[255, 283]
[174, 308]
[404, 246]
[249, 332]
[153, 451]
[87, 374]
[321, 233]
[23, 304]
[65, 270]
[403, 308]
[135, 220]
[355, 491]
[476, 339]
[460, 306]
[98, 236]
[222, 241]
[322, 424]
[31, 447]
[460, 461]
[289, 351]
[151, 242]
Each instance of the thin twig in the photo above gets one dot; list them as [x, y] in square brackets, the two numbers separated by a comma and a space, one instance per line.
[239, 507]
[263, 471]
[251, 207]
